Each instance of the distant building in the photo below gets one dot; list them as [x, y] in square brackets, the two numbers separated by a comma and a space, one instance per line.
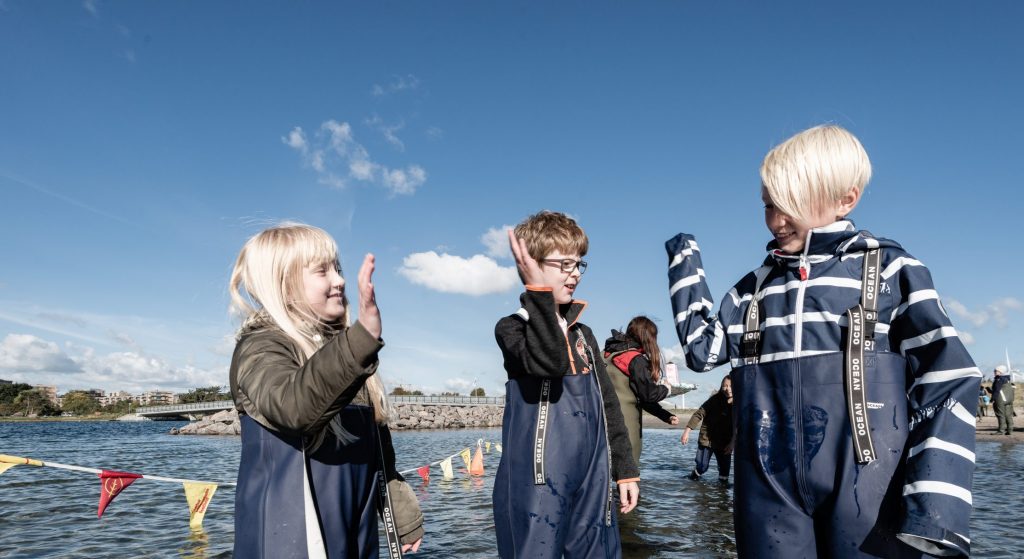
[2, 381]
[50, 392]
[115, 397]
[156, 398]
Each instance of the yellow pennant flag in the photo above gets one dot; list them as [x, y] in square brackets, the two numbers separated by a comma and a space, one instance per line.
[446, 468]
[199, 496]
[4, 466]
[465, 454]
[487, 445]
[497, 446]
[15, 460]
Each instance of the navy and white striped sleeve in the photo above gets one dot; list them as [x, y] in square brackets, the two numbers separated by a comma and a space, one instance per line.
[943, 399]
[701, 333]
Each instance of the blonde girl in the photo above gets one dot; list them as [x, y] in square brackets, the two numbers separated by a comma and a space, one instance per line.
[315, 443]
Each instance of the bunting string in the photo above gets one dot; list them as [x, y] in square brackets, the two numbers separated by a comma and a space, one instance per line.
[197, 493]
[474, 464]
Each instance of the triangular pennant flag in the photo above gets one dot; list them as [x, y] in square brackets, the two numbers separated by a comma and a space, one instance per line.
[112, 483]
[198, 496]
[446, 468]
[497, 446]
[424, 472]
[487, 447]
[15, 460]
[465, 457]
[4, 466]
[477, 468]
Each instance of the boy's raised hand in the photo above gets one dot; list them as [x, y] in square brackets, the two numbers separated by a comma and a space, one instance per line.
[629, 495]
[529, 269]
[369, 314]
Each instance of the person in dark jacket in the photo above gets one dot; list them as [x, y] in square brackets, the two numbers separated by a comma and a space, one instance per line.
[316, 450]
[633, 361]
[855, 397]
[714, 419]
[564, 440]
[1002, 400]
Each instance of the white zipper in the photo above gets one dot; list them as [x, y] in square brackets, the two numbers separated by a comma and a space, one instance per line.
[805, 273]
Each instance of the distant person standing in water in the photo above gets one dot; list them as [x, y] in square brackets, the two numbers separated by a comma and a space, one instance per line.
[714, 419]
[1002, 400]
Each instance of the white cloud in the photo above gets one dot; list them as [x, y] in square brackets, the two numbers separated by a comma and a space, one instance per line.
[996, 312]
[460, 385]
[338, 158]
[477, 275]
[966, 337]
[388, 131]
[91, 7]
[496, 241]
[397, 84]
[22, 353]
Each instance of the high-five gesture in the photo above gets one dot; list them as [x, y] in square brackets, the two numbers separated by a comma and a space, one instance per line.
[529, 269]
[369, 314]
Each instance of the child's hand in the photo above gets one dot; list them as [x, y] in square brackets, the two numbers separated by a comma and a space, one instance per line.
[674, 420]
[369, 314]
[413, 547]
[529, 269]
[629, 495]
[686, 436]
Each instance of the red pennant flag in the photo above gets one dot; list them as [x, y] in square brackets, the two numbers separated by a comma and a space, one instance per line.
[112, 483]
[424, 472]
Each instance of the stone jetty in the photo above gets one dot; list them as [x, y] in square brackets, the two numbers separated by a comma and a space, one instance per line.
[408, 416]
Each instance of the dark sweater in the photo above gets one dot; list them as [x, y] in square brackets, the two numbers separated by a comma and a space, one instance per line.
[532, 343]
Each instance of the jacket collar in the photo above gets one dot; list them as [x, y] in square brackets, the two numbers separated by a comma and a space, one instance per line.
[572, 310]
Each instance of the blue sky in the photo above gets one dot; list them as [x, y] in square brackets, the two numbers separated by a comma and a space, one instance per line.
[141, 143]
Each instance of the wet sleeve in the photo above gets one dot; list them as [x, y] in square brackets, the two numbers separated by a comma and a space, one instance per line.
[531, 341]
[703, 335]
[642, 384]
[943, 402]
[299, 399]
[623, 467]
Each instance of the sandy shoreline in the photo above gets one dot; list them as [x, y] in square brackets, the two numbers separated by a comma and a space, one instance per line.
[986, 426]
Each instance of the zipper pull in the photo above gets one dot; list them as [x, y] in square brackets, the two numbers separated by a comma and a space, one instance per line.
[804, 268]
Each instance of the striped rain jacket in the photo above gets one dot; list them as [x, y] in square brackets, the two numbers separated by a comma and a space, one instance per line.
[804, 300]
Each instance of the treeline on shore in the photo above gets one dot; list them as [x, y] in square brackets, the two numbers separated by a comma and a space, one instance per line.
[24, 400]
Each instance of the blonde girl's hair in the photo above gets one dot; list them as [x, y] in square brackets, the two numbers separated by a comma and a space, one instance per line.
[643, 331]
[813, 169]
[267, 290]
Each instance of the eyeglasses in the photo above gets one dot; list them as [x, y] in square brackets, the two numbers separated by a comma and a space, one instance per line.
[567, 265]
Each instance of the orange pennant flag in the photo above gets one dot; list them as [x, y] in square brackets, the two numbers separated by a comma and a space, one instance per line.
[465, 457]
[477, 468]
[112, 483]
[424, 472]
[198, 496]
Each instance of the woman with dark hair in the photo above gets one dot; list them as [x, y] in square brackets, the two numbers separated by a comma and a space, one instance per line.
[635, 356]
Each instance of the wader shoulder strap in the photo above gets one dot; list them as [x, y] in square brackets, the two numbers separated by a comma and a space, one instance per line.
[860, 336]
[750, 343]
[607, 443]
[541, 433]
[387, 511]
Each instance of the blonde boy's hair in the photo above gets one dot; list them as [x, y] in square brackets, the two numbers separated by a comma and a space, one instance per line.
[267, 289]
[814, 169]
[546, 232]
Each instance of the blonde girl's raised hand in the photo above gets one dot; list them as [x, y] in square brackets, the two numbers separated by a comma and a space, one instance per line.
[369, 314]
[529, 269]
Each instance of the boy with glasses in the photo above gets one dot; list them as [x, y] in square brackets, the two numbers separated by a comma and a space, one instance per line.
[563, 434]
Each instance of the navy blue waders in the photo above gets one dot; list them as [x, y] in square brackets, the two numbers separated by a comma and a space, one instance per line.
[552, 492]
[819, 447]
[269, 507]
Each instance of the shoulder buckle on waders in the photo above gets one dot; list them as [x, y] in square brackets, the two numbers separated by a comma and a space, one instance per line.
[750, 343]
[860, 337]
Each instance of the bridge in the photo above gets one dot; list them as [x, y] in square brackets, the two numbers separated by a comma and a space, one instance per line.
[205, 408]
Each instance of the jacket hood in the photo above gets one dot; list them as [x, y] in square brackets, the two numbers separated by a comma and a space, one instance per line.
[832, 240]
[618, 343]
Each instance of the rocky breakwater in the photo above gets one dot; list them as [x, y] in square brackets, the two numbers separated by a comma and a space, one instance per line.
[408, 416]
